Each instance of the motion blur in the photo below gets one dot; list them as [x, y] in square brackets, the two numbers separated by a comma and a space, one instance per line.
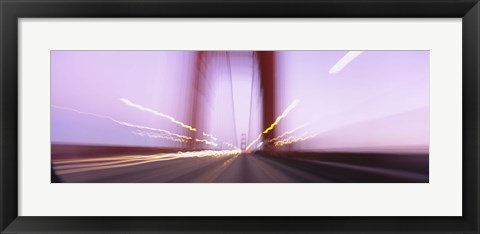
[240, 116]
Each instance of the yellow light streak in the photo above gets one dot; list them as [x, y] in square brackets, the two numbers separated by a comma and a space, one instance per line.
[283, 115]
[142, 108]
[277, 120]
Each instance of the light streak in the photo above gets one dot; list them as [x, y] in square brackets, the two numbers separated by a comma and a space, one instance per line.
[283, 115]
[293, 139]
[70, 166]
[207, 153]
[117, 158]
[254, 141]
[230, 145]
[157, 135]
[206, 142]
[215, 139]
[142, 108]
[210, 135]
[344, 61]
[125, 159]
[127, 162]
[153, 129]
[122, 122]
[277, 120]
[288, 132]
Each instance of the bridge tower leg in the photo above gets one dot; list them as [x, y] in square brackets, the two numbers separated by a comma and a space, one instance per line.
[268, 85]
[196, 96]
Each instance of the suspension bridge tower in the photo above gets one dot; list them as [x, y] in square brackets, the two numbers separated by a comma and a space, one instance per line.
[243, 141]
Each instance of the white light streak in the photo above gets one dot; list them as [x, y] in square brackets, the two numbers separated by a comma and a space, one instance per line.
[142, 108]
[344, 61]
[206, 142]
[121, 122]
[70, 166]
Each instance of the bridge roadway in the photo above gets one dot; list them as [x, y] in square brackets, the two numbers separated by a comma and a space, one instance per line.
[243, 168]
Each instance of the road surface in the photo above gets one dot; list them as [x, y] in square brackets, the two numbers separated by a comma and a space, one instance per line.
[231, 168]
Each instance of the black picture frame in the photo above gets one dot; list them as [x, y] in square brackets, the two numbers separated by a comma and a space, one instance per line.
[12, 10]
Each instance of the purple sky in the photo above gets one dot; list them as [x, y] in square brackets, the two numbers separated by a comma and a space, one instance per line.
[379, 99]
[95, 81]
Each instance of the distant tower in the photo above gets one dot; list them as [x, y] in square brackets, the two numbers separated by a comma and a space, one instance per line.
[243, 141]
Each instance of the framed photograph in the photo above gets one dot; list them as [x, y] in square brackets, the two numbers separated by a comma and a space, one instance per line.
[225, 116]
